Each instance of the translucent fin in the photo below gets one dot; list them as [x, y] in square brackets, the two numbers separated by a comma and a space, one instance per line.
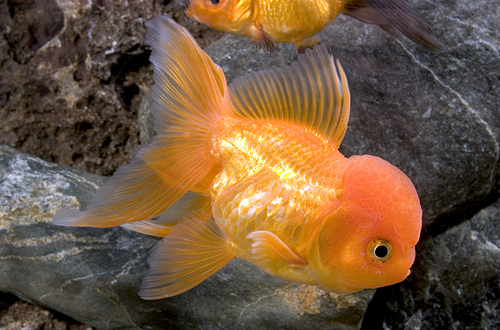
[203, 187]
[142, 189]
[267, 245]
[263, 40]
[188, 97]
[307, 93]
[150, 227]
[396, 18]
[182, 209]
[194, 250]
[189, 86]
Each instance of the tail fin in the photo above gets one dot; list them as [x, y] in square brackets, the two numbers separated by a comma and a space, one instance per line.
[188, 97]
[394, 17]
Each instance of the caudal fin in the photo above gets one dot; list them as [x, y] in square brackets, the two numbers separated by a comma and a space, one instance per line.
[188, 97]
[394, 17]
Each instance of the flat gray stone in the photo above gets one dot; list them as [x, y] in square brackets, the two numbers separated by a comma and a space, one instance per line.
[94, 275]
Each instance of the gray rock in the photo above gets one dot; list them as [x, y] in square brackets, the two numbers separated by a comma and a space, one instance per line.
[456, 281]
[93, 275]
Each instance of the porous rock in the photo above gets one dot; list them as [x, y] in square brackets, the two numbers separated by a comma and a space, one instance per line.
[93, 275]
[72, 75]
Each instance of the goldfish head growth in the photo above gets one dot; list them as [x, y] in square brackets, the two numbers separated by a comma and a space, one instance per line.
[224, 15]
[368, 237]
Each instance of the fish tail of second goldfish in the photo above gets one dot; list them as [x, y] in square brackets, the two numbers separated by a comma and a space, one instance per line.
[188, 100]
[396, 18]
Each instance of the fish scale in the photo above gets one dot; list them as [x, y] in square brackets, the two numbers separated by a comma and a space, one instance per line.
[264, 181]
[291, 20]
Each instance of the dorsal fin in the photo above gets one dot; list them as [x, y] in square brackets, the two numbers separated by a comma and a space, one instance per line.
[308, 93]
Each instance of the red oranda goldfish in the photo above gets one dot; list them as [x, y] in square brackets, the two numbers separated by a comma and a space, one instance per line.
[252, 170]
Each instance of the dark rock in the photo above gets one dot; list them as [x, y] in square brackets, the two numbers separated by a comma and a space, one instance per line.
[72, 75]
[93, 275]
[456, 280]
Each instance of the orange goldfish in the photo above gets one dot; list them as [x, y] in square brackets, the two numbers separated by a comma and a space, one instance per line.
[252, 170]
[298, 21]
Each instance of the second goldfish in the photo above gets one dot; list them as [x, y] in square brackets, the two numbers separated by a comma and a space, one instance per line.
[252, 170]
[298, 21]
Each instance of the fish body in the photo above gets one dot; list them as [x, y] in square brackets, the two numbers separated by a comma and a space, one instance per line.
[252, 170]
[264, 186]
[298, 21]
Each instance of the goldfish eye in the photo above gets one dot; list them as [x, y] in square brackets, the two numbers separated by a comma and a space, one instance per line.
[214, 2]
[380, 250]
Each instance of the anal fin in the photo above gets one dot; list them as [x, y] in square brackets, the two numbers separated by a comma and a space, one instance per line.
[267, 245]
[194, 250]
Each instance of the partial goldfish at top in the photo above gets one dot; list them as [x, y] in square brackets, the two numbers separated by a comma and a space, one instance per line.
[252, 170]
[298, 21]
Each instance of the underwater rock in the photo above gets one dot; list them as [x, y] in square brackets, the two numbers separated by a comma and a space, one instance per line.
[93, 275]
[456, 280]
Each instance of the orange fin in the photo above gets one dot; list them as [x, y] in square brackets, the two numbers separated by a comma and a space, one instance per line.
[188, 98]
[263, 40]
[308, 43]
[395, 17]
[308, 93]
[194, 250]
[150, 227]
[268, 246]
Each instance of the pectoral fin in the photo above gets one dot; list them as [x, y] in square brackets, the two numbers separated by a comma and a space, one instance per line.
[263, 40]
[267, 245]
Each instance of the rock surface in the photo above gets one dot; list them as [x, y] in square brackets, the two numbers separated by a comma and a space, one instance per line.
[94, 275]
[72, 75]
